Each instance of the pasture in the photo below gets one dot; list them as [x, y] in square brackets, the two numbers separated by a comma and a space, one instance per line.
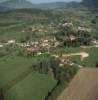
[33, 86]
[90, 61]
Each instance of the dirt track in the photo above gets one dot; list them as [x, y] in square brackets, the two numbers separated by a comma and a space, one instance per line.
[83, 87]
[82, 54]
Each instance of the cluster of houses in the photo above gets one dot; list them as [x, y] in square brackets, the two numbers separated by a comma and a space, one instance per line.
[7, 43]
[79, 28]
[67, 24]
[84, 29]
[38, 28]
[39, 46]
[34, 29]
[36, 47]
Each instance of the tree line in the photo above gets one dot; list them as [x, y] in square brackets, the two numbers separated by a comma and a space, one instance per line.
[70, 37]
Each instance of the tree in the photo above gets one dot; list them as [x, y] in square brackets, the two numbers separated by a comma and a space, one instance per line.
[97, 65]
[1, 94]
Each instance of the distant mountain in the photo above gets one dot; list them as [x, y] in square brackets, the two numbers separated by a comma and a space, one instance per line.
[4, 8]
[26, 4]
[16, 4]
[73, 4]
[53, 5]
[90, 3]
[19, 4]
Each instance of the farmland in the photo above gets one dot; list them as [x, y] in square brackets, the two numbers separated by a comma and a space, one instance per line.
[30, 87]
[89, 61]
[35, 86]
[42, 50]
[86, 88]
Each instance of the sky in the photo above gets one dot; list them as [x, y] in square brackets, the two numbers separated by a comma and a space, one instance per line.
[47, 1]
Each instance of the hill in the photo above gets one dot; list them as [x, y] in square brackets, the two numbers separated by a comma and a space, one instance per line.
[90, 3]
[18, 4]
[4, 8]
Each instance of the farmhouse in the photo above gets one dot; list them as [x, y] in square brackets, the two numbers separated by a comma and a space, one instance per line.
[11, 41]
[1, 45]
[68, 24]
[84, 29]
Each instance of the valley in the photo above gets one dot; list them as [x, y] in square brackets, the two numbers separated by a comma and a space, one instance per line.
[44, 52]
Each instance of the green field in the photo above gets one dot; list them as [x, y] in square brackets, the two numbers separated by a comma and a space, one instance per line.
[34, 86]
[12, 23]
[10, 66]
[62, 50]
[89, 61]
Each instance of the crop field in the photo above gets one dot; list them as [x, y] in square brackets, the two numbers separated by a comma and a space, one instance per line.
[83, 86]
[30, 86]
[10, 66]
[61, 50]
[18, 24]
[34, 87]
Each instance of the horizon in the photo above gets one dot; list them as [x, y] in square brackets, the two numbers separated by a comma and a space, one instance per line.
[46, 1]
[50, 1]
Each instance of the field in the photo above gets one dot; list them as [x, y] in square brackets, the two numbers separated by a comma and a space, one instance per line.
[90, 61]
[31, 86]
[82, 87]
[10, 66]
[62, 50]
[34, 52]
[18, 24]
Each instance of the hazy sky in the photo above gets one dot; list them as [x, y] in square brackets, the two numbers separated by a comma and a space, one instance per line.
[46, 1]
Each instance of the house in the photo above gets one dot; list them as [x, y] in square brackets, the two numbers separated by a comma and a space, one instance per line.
[84, 29]
[72, 37]
[11, 41]
[68, 24]
[1, 45]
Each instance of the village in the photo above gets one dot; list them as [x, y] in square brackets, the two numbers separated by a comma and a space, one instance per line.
[44, 45]
[48, 53]
[47, 42]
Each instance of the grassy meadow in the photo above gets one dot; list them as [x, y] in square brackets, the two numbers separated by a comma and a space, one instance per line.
[90, 61]
[35, 86]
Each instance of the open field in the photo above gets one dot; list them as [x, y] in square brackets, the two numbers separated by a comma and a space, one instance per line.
[83, 87]
[67, 50]
[89, 61]
[10, 66]
[30, 86]
[34, 87]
